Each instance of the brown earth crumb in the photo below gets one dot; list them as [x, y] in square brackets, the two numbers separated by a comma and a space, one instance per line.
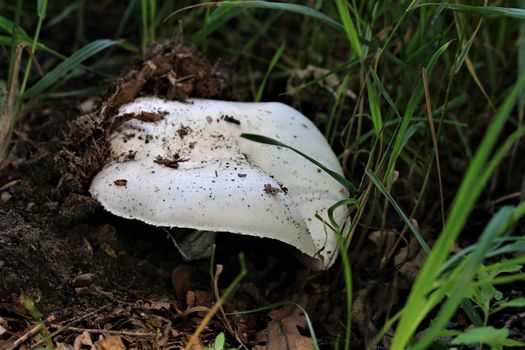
[150, 117]
[230, 119]
[170, 163]
[147, 117]
[121, 182]
[272, 190]
[183, 131]
[131, 155]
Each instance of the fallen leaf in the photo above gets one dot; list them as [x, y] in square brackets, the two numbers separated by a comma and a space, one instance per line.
[283, 330]
[83, 339]
[110, 342]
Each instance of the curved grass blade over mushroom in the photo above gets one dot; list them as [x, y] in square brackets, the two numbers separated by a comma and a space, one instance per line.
[269, 141]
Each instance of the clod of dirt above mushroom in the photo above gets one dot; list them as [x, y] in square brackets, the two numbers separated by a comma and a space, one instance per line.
[190, 168]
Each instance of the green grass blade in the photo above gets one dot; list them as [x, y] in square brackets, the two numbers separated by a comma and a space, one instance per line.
[484, 11]
[294, 8]
[347, 270]
[269, 141]
[144, 26]
[375, 109]
[10, 27]
[384, 93]
[469, 191]
[152, 14]
[402, 133]
[66, 66]
[15, 29]
[41, 11]
[92, 91]
[65, 13]
[273, 62]
[349, 27]
[218, 18]
[377, 182]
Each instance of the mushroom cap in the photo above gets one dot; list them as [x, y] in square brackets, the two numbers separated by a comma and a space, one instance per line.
[190, 168]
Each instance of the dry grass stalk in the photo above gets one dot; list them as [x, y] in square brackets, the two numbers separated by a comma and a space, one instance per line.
[8, 108]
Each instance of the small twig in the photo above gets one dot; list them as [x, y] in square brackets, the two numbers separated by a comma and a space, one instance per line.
[104, 331]
[229, 328]
[506, 197]
[428, 104]
[514, 319]
[60, 330]
[218, 304]
[192, 310]
[27, 335]
[10, 184]
[227, 322]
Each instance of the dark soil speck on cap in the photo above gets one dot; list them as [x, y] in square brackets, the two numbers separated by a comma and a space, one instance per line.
[121, 182]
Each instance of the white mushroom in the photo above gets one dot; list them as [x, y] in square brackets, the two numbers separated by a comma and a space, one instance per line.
[188, 167]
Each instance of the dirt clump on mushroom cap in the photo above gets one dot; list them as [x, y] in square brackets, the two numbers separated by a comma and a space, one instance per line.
[171, 71]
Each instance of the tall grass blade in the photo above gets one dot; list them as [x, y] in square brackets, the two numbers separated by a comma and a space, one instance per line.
[402, 133]
[69, 64]
[273, 62]
[375, 110]
[144, 26]
[377, 182]
[282, 6]
[10, 27]
[152, 14]
[384, 93]
[347, 270]
[65, 13]
[41, 11]
[14, 28]
[349, 27]
[218, 18]
[484, 11]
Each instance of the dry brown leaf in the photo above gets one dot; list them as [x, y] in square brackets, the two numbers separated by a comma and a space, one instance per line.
[283, 330]
[83, 339]
[111, 342]
[62, 346]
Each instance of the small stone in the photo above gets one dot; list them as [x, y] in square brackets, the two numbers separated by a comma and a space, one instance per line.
[83, 280]
[5, 196]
